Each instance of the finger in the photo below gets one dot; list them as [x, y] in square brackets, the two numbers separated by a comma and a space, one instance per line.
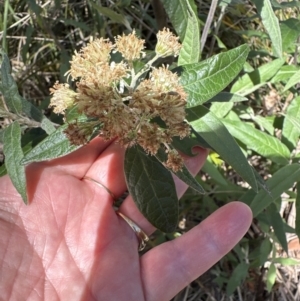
[107, 170]
[129, 209]
[175, 264]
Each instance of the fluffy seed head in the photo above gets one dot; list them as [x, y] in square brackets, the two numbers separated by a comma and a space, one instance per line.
[167, 43]
[63, 97]
[130, 46]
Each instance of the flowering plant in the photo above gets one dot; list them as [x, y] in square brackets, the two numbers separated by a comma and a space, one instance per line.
[153, 110]
[118, 103]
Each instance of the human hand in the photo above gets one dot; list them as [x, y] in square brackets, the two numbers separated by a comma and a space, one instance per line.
[69, 243]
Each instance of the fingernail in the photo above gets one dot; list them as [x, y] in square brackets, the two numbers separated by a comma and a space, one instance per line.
[197, 150]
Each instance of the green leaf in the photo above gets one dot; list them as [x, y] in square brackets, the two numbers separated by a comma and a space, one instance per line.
[260, 181]
[271, 277]
[227, 97]
[3, 170]
[220, 44]
[31, 138]
[9, 87]
[1, 135]
[124, 3]
[252, 33]
[212, 130]
[28, 42]
[286, 261]
[13, 100]
[291, 124]
[201, 141]
[112, 15]
[289, 229]
[232, 116]
[271, 24]
[76, 24]
[281, 180]
[221, 109]
[64, 66]
[239, 274]
[295, 79]
[13, 155]
[277, 224]
[178, 12]
[284, 5]
[245, 112]
[185, 145]
[284, 73]
[250, 82]
[262, 143]
[289, 32]
[34, 7]
[54, 146]
[47, 126]
[264, 123]
[152, 188]
[206, 79]
[72, 114]
[184, 174]
[297, 222]
[31, 110]
[190, 50]
[213, 172]
[264, 251]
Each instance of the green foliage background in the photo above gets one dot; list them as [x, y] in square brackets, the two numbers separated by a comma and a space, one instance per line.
[260, 108]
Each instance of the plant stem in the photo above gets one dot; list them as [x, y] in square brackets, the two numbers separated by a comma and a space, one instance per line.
[208, 22]
[4, 45]
[20, 119]
[145, 69]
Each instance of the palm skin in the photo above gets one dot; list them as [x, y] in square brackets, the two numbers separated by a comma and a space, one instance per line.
[69, 244]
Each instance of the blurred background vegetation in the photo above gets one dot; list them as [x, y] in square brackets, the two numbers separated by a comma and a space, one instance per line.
[40, 38]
